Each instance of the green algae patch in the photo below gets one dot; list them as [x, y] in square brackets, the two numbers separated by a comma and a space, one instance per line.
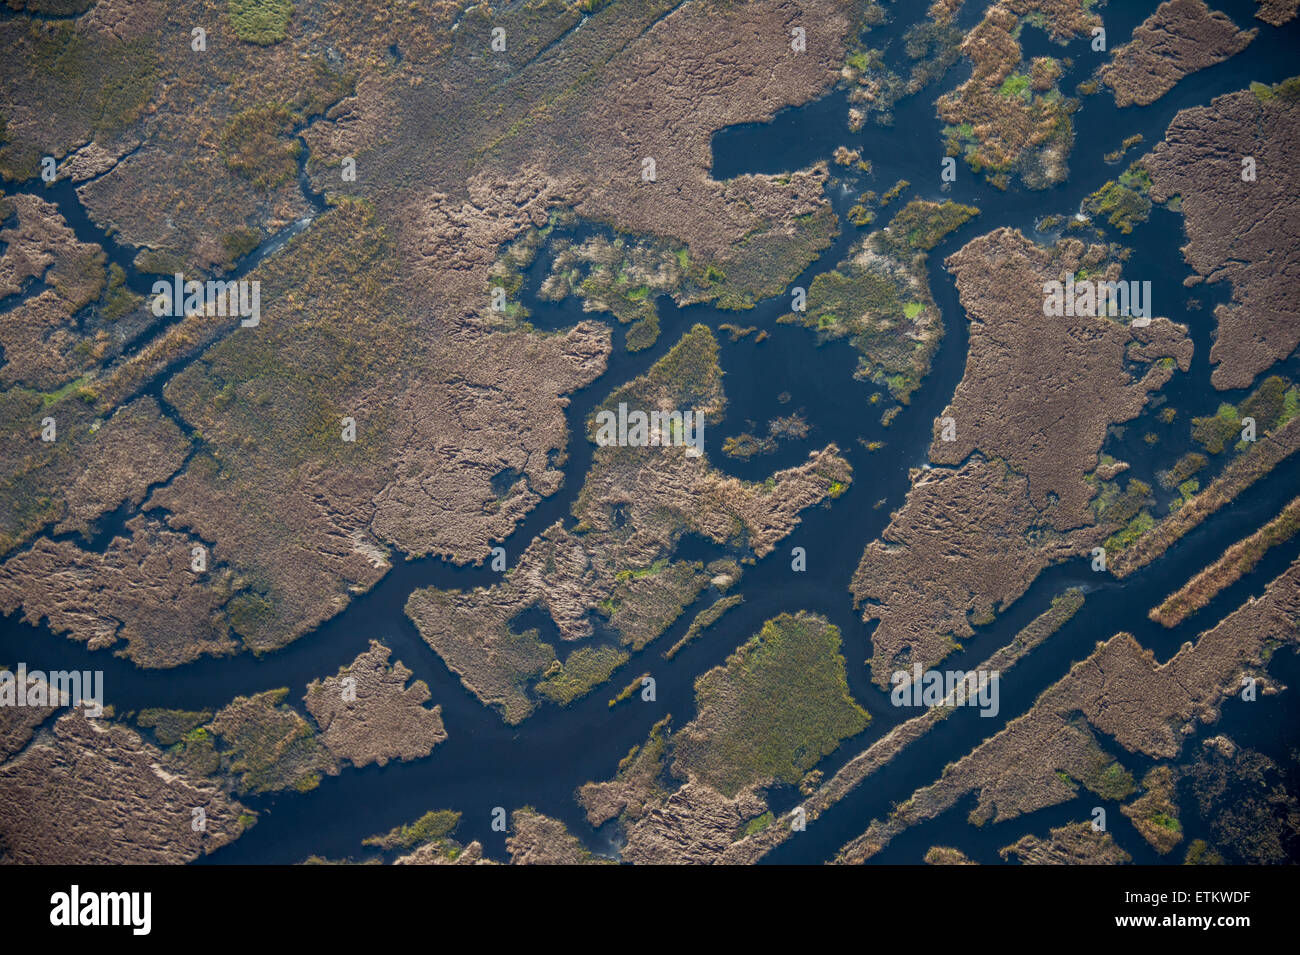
[256, 144]
[1155, 814]
[688, 377]
[1101, 774]
[921, 224]
[240, 241]
[432, 826]
[1017, 84]
[621, 276]
[1115, 506]
[776, 707]
[1189, 464]
[188, 741]
[1199, 852]
[1135, 528]
[646, 601]
[763, 263]
[1124, 203]
[118, 300]
[586, 668]
[268, 746]
[172, 726]
[879, 296]
[263, 22]
[1271, 405]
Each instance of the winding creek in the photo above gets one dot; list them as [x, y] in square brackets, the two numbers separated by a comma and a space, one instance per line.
[485, 763]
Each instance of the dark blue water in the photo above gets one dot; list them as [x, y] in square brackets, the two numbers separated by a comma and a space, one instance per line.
[485, 763]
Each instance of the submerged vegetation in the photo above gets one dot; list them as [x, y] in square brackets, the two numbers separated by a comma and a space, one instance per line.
[1270, 406]
[879, 296]
[1125, 202]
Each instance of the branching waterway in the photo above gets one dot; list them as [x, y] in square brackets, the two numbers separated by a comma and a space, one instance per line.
[485, 763]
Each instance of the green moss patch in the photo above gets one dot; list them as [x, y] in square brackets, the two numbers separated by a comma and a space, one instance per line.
[256, 145]
[586, 668]
[267, 746]
[776, 707]
[261, 21]
[436, 825]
